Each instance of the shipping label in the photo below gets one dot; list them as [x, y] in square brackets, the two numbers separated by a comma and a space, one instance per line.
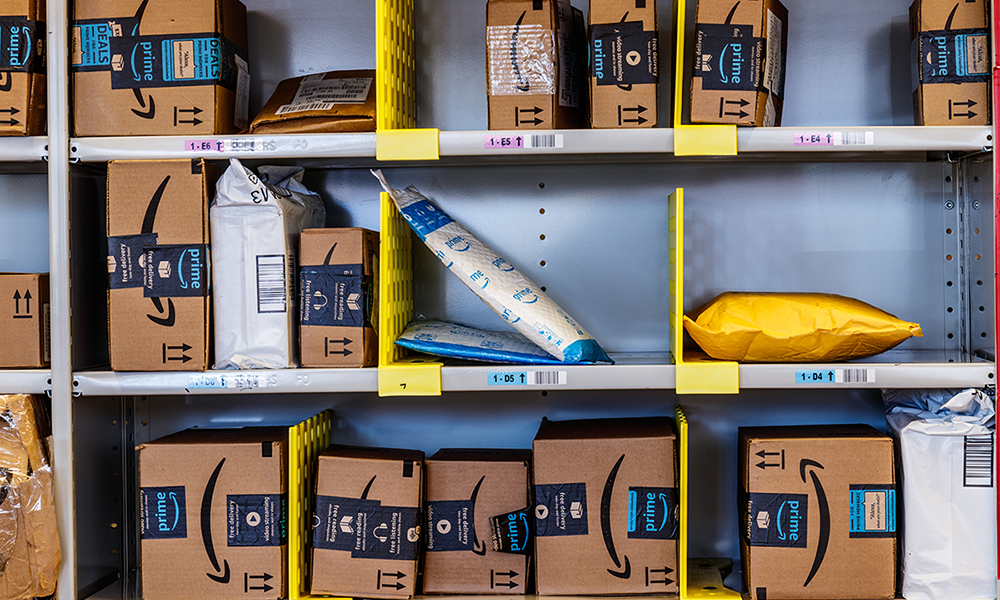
[365, 528]
[175, 270]
[335, 296]
[22, 45]
[561, 509]
[777, 520]
[257, 519]
[451, 526]
[728, 57]
[873, 511]
[144, 61]
[652, 513]
[623, 54]
[162, 512]
[126, 257]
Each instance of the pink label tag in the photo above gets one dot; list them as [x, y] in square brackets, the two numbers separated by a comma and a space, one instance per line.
[823, 138]
[503, 142]
[204, 145]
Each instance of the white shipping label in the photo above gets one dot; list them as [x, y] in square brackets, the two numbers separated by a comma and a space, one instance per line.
[772, 62]
[520, 60]
[352, 90]
[241, 117]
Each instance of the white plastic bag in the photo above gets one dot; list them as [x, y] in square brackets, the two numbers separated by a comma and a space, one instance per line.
[255, 224]
[503, 288]
[949, 492]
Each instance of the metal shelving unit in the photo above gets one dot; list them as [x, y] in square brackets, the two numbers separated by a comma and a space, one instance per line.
[902, 209]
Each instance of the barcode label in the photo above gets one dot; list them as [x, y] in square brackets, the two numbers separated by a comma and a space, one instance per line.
[549, 140]
[352, 90]
[239, 381]
[294, 108]
[855, 375]
[834, 138]
[978, 469]
[848, 376]
[271, 283]
[547, 378]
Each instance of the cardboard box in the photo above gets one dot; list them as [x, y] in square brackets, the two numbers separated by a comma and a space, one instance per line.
[338, 297]
[534, 64]
[336, 101]
[624, 66]
[465, 489]
[212, 514]
[818, 512]
[950, 56]
[159, 68]
[366, 534]
[739, 71]
[606, 507]
[24, 323]
[22, 67]
[159, 288]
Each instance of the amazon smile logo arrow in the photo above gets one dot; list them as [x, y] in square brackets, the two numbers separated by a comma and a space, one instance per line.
[824, 515]
[609, 541]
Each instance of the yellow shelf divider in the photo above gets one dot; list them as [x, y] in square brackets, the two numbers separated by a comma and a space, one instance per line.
[698, 578]
[407, 144]
[305, 441]
[399, 374]
[694, 140]
[694, 375]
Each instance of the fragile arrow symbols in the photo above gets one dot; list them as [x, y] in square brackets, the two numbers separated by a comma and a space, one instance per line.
[638, 110]
[344, 341]
[17, 304]
[183, 357]
[397, 575]
[530, 111]
[264, 587]
[397, 586]
[194, 120]
[663, 571]
[763, 464]
[968, 104]
[12, 110]
[764, 454]
[509, 584]
[739, 103]
[508, 574]
[345, 352]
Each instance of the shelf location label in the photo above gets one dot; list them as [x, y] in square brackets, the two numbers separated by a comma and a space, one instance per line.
[528, 140]
[526, 378]
[847, 376]
[834, 138]
[236, 381]
[230, 145]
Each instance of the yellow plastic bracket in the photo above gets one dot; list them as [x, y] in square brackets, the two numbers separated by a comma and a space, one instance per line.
[698, 578]
[395, 92]
[398, 375]
[407, 144]
[695, 376]
[305, 441]
[694, 140]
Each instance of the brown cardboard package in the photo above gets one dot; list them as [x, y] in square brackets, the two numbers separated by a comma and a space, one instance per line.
[950, 56]
[29, 539]
[534, 64]
[159, 289]
[623, 70]
[338, 297]
[739, 71]
[24, 324]
[212, 514]
[159, 68]
[336, 101]
[366, 532]
[818, 511]
[22, 67]
[465, 489]
[606, 507]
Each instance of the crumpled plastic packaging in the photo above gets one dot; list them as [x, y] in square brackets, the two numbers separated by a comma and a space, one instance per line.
[498, 283]
[949, 532]
[29, 540]
[453, 340]
[256, 223]
[794, 327]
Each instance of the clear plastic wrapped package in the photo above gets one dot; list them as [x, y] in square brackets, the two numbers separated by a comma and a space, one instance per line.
[29, 540]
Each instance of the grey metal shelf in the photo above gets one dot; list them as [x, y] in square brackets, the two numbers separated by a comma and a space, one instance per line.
[498, 144]
[25, 381]
[24, 149]
[630, 372]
